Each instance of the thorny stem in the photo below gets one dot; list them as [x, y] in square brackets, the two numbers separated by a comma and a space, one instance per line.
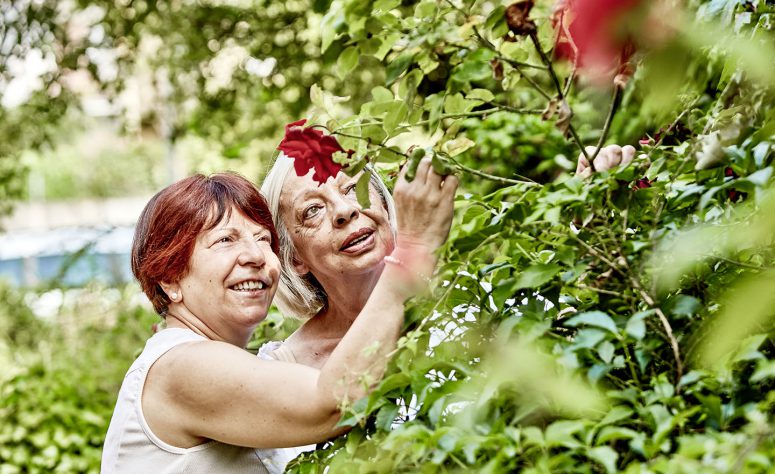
[476, 113]
[615, 100]
[670, 130]
[547, 62]
[497, 179]
[560, 95]
[488, 44]
[569, 82]
[357, 137]
[668, 329]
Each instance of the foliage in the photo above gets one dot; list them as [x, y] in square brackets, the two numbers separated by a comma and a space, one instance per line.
[60, 378]
[622, 323]
[231, 72]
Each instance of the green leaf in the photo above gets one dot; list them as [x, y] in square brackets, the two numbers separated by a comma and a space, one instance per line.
[606, 351]
[617, 413]
[347, 61]
[745, 307]
[481, 94]
[434, 104]
[456, 104]
[560, 433]
[330, 24]
[457, 146]
[536, 275]
[593, 318]
[385, 417]
[395, 116]
[397, 67]
[362, 190]
[497, 20]
[469, 71]
[636, 325]
[381, 94]
[606, 456]
[760, 178]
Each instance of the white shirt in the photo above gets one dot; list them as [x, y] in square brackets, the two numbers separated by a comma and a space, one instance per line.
[132, 447]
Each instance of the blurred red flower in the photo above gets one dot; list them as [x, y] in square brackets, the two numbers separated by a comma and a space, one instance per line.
[310, 149]
[590, 34]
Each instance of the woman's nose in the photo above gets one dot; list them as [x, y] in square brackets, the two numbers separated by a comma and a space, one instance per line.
[252, 253]
[344, 212]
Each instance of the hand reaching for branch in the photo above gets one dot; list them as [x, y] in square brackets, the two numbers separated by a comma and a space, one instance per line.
[608, 158]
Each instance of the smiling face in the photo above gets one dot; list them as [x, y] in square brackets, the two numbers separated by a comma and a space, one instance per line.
[232, 276]
[331, 233]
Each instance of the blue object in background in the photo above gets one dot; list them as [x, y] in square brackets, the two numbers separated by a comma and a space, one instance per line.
[69, 257]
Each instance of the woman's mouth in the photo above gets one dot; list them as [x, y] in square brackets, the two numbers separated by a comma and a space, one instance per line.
[357, 241]
[249, 285]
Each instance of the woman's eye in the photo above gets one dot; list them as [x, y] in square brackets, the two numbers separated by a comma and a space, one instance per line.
[265, 238]
[349, 189]
[223, 240]
[311, 211]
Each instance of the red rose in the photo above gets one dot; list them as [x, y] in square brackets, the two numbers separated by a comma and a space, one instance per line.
[590, 34]
[310, 148]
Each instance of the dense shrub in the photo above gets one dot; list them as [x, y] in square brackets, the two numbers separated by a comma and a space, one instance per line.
[59, 384]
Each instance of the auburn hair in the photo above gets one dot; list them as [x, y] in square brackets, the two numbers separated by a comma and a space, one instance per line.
[168, 227]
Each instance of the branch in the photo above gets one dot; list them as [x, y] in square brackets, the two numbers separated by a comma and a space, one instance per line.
[530, 80]
[547, 62]
[615, 100]
[649, 301]
[668, 329]
[491, 177]
[560, 94]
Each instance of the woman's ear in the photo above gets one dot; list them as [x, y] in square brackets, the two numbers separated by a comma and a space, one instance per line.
[300, 267]
[173, 291]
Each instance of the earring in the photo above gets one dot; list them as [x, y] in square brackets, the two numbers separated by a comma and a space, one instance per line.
[174, 296]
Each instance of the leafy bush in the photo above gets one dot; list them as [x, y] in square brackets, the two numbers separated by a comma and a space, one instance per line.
[618, 323]
[58, 394]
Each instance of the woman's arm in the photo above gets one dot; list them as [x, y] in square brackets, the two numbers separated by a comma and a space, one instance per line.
[217, 391]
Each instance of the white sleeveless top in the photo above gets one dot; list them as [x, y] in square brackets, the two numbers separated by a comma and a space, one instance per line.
[131, 446]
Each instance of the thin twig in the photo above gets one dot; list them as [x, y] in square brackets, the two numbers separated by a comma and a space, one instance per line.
[547, 62]
[600, 290]
[560, 96]
[497, 179]
[488, 44]
[668, 329]
[569, 81]
[517, 110]
[607, 126]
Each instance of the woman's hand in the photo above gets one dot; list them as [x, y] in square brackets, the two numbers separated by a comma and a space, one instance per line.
[424, 215]
[424, 206]
[608, 158]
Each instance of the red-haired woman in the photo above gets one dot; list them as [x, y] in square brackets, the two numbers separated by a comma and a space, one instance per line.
[205, 253]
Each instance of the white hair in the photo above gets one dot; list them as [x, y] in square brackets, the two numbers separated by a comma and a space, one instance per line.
[301, 296]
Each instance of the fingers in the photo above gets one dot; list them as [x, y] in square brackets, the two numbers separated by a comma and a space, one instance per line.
[628, 154]
[583, 164]
[422, 170]
[449, 185]
[608, 157]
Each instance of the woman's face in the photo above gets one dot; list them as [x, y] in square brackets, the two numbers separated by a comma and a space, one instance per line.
[331, 233]
[232, 275]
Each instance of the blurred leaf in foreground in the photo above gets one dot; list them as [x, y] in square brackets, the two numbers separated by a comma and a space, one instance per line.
[748, 307]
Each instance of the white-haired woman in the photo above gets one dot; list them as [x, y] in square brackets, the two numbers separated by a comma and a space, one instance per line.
[333, 251]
